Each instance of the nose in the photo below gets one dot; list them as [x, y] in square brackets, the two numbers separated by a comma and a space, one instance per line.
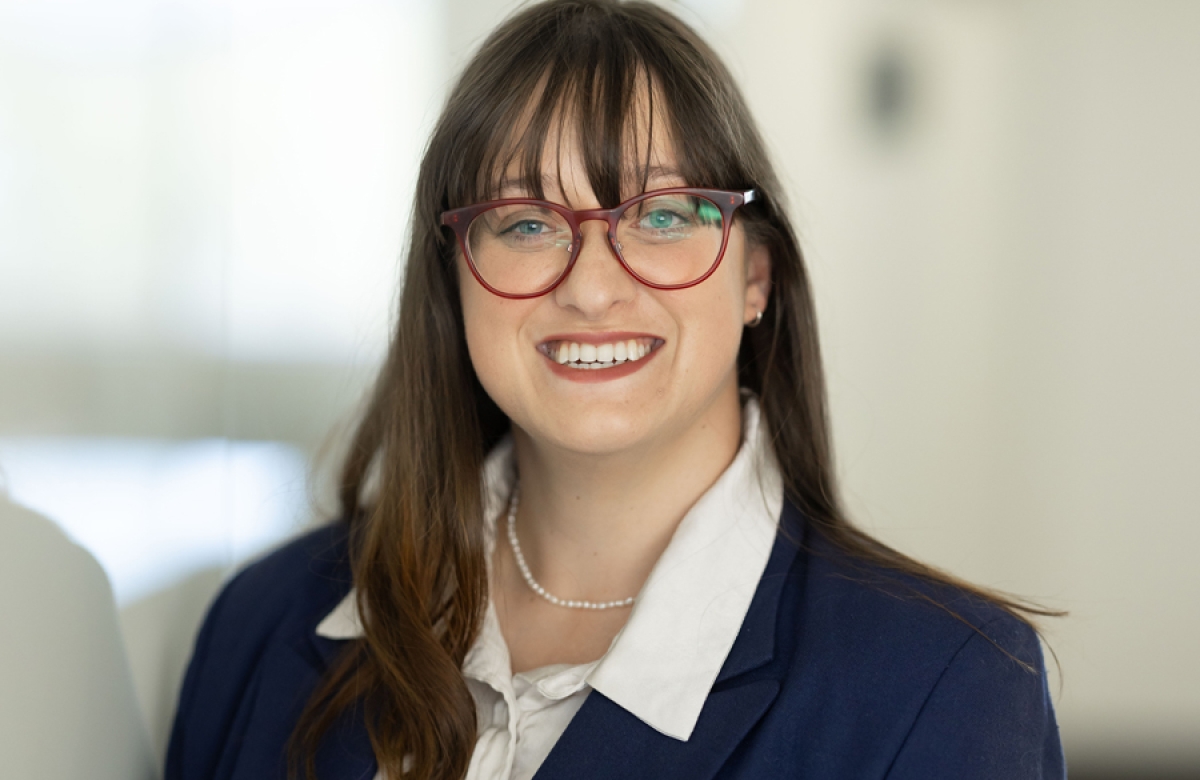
[597, 281]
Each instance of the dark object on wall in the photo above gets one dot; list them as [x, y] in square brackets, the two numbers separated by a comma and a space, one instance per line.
[890, 88]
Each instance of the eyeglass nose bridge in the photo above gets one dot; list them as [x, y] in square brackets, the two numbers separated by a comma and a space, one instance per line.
[610, 217]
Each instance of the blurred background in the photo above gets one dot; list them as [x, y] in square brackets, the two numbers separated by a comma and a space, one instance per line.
[202, 211]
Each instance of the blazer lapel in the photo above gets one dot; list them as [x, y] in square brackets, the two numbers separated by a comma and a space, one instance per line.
[345, 752]
[604, 740]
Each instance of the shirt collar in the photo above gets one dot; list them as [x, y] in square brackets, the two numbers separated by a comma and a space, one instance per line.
[665, 660]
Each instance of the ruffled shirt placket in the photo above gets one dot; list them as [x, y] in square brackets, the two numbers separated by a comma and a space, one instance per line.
[524, 710]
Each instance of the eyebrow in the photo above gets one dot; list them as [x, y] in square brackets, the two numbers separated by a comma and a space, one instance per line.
[652, 173]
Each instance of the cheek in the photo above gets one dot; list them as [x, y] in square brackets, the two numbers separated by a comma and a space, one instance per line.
[717, 315]
[478, 326]
[723, 332]
[492, 327]
[484, 339]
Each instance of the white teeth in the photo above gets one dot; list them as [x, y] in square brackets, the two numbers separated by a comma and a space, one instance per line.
[580, 355]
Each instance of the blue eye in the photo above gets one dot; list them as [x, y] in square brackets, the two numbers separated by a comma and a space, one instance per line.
[532, 234]
[529, 227]
[661, 219]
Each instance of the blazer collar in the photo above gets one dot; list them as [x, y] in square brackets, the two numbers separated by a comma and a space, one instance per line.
[755, 645]
[605, 740]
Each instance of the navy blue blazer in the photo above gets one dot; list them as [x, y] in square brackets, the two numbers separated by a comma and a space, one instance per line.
[839, 671]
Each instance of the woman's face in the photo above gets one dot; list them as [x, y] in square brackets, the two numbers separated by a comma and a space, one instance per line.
[689, 374]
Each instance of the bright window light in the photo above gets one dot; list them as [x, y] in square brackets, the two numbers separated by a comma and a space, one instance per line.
[153, 512]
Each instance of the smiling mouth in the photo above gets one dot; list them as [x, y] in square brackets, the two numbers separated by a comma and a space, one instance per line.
[574, 354]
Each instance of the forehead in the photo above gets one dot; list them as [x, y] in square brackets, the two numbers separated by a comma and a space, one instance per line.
[564, 175]
[575, 149]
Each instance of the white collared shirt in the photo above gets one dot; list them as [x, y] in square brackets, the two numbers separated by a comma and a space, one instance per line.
[662, 664]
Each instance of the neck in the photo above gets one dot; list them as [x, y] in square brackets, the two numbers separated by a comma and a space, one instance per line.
[592, 526]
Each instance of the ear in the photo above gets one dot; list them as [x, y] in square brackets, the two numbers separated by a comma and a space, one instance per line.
[758, 281]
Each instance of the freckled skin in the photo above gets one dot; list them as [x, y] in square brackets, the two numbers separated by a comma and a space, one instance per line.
[700, 326]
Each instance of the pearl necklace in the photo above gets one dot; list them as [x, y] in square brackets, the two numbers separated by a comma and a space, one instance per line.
[532, 583]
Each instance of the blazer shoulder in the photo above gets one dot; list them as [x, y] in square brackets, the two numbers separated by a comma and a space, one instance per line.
[283, 593]
[889, 674]
[957, 682]
[906, 615]
[311, 566]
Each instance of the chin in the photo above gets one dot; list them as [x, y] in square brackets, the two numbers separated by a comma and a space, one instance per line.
[595, 434]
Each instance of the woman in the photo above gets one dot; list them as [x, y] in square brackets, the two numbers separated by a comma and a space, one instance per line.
[591, 527]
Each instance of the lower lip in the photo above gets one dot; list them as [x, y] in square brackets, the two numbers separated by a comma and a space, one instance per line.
[591, 375]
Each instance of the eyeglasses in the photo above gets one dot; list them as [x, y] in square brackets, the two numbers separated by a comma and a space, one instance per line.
[667, 239]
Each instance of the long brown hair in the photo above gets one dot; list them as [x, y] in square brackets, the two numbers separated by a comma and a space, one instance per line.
[417, 546]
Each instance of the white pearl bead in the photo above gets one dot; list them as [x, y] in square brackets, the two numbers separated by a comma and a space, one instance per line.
[527, 575]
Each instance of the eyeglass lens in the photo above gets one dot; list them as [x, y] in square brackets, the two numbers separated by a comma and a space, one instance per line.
[669, 239]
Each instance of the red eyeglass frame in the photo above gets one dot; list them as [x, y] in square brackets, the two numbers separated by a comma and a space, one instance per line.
[727, 201]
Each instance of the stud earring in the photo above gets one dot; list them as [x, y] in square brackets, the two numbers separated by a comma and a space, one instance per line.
[758, 318]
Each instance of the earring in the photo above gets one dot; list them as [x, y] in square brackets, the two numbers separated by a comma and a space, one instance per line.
[757, 320]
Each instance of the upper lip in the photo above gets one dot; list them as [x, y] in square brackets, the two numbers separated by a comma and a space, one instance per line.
[600, 337]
